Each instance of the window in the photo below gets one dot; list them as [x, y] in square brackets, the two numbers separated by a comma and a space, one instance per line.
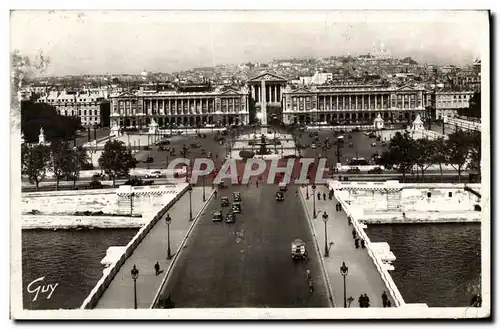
[450, 194]
[84, 112]
[428, 194]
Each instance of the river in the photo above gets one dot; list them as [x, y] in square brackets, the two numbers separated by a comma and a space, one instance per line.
[435, 264]
[69, 258]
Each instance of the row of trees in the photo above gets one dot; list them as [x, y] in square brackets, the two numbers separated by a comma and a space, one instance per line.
[462, 150]
[66, 162]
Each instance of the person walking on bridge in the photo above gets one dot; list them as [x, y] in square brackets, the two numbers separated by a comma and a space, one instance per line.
[157, 268]
[384, 299]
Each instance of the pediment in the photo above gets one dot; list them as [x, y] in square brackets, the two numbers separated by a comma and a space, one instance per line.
[267, 76]
[126, 94]
[301, 90]
[230, 92]
[406, 88]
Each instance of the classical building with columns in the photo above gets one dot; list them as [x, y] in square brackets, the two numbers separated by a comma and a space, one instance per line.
[180, 107]
[266, 88]
[352, 104]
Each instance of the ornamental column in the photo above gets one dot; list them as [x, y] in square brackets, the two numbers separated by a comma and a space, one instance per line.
[263, 108]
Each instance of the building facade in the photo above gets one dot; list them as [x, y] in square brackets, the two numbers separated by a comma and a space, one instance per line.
[447, 103]
[84, 104]
[180, 108]
[352, 104]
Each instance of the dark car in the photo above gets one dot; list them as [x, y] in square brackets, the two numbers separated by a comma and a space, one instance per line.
[224, 201]
[222, 185]
[377, 170]
[217, 216]
[280, 196]
[236, 207]
[230, 217]
[237, 197]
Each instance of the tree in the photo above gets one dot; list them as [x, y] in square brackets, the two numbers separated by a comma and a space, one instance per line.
[424, 152]
[438, 153]
[475, 151]
[78, 159]
[401, 153]
[116, 159]
[458, 148]
[35, 160]
[55, 126]
[61, 160]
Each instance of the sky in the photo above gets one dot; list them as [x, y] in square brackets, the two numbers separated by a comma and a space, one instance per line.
[112, 42]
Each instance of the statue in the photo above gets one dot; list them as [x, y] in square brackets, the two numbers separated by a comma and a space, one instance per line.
[153, 127]
[115, 130]
[378, 123]
[41, 137]
[417, 124]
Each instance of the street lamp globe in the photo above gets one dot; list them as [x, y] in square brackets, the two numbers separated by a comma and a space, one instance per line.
[325, 216]
[168, 219]
[134, 273]
[344, 269]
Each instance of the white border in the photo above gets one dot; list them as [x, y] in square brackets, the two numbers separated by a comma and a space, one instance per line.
[223, 313]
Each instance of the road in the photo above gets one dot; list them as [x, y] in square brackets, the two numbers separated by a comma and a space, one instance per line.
[248, 263]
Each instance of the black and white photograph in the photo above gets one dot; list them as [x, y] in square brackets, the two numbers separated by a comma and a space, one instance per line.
[250, 164]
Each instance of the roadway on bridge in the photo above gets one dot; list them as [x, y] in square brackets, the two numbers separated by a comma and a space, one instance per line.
[248, 263]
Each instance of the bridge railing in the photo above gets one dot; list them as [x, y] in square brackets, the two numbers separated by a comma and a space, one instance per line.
[384, 273]
[101, 286]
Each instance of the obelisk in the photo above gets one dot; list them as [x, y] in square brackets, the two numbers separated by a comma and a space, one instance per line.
[263, 110]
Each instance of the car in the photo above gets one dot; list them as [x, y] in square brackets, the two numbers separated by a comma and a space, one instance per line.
[353, 171]
[280, 196]
[224, 201]
[236, 207]
[283, 186]
[222, 185]
[230, 217]
[313, 146]
[236, 196]
[377, 170]
[217, 216]
[374, 144]
[153, 174]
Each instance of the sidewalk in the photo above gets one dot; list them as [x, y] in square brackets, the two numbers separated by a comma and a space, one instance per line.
[363, 277]
[120, 293]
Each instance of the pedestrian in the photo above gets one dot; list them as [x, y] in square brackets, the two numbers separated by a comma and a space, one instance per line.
[337, 206]
[257, 183]
[340, 206]
[319, 196]
[215, 193]
[353, 233]
[362, 243]
[356, 243]
[324, 196]
[361, 301]
[308, 275]
[388, 303]
[311, 287]
[157, 268]
[367, 301]
[384, 299]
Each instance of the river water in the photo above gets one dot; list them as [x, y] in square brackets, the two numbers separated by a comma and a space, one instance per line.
[69, 258]
[436, 264]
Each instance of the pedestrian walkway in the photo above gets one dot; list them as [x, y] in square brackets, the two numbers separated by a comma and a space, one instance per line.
[362, 277]
[120, 293]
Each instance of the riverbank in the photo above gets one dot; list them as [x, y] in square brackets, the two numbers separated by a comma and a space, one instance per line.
[61, 222]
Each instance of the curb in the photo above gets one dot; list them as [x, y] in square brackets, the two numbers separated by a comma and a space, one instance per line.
[318, 250]
[179, 251]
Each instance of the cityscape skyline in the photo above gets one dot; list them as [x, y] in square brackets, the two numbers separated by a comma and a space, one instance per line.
[76, 44]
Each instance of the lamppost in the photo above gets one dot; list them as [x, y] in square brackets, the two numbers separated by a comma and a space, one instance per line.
[135, 274]
[190, 190]
[203, 181]
[314, 201]
[339, 151]
[325, 220]
[344, 270]
[131, 203]
[307, 191]
[168, 220]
